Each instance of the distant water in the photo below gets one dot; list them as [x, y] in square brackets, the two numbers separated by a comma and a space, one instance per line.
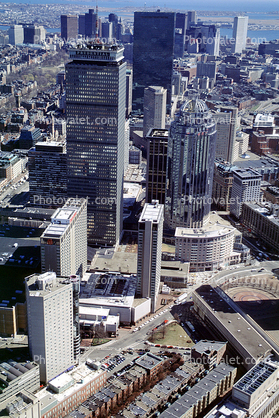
[257, 36]
[237, 5]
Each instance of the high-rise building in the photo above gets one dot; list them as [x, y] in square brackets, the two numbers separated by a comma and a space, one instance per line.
[154, 108]
[191, 18]
[81, 24]
[157, 151]
[240, 28]
[107, 30]
[129, 90]
[47, 163]
[16, 35]
[64, 242]
[152, 53]
[34, 34]
[69, 26]
[96, 92]
[29, 136]
[50, 323]
[180, 33]
[150, 236]
[90, 23]
[246, 188]
[190, 167]
[203, 38]
[207, 69]
[226, 119]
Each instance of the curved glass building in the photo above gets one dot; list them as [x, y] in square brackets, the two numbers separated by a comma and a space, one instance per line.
[190, 166]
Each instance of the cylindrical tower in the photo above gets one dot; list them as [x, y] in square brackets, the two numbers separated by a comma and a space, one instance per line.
[190, 165]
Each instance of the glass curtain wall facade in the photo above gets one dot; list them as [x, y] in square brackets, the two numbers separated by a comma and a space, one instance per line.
[190, 167]
[96, 91]
[153, 53]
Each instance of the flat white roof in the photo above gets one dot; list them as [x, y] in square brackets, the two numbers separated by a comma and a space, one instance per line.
[151, 212]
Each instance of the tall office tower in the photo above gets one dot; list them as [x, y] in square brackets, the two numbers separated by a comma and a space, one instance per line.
[154, 108]
[180, 32]
[113, 18]
[150, 236]
[129, 91]
[69, 26]
[246, 188]
[29, 136]
[226, 124]
[34, 34]
[81, 25]
[190, 167]
[16, 34]
[96, 92]
[47, 163]
[107, 30]
[126, 144]
[75, 281]
[240, 28]
[50, 323]
[152, 53]
[204, 38]
[90, 24]
[157, 151]
[191, 18]
[63, 243]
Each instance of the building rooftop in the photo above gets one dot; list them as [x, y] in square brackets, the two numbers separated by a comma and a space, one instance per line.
[149, 361]
[207, 231]
[41, 285]
[249, 338]
[152, 212]
[256, 377]
[246, 173]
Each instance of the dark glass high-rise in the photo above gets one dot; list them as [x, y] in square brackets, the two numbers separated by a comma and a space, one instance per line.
[190, 167]
[153, 53]
[96, 93]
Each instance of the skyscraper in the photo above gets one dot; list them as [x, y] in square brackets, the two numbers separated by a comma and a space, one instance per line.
[180, 32]
[152, 53]
[64, 242]
[50, 323]
[191, 18]
[69, 26]
[96, 93]
[190, 167]
[157, 151]
[246, 188]
[47, 163]
[154, 109]
[226, 120]
[90, 23]
[16, 34]
[240, 27]
[150, 251]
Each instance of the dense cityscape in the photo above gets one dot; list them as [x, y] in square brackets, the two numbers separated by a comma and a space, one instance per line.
[139, 207]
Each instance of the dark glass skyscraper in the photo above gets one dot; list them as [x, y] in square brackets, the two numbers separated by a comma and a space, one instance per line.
[190, 166]
[96, 92]
[153, 53]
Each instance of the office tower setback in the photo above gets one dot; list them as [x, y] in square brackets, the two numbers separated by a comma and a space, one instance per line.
[63, 243]
[246, 188]
[50, 323]
[96, 93]
[152, 53]
[154, 108]
[226, 120]
[69, 26]
[157, 151]
[190, 167]
[16, 35]
[240, 27]
[47, 163]
[150, 236]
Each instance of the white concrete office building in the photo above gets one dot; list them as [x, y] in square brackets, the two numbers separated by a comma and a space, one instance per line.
[154, 108]
[64, 242]
[246, 188]
[240, 28]
[150, 235]
[50, 323]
